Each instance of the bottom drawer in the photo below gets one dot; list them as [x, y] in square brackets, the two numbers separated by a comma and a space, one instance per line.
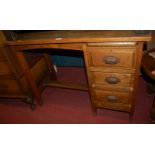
[112, 100]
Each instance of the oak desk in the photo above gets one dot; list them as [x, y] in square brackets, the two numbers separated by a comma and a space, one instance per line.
[112, 60]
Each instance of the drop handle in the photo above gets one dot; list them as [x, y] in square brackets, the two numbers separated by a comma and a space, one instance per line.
[112, 98]
[111, 60]
[112, 80]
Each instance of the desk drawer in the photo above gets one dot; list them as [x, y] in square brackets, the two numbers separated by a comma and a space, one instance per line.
[111, 97]
[111, 57]
[118, 106]
[112, 79]
[112, 100]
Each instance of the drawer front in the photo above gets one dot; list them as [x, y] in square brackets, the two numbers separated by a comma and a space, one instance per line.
[112, 79]
[118, 106]
[111, 57]
[111, 97]
[112, 100]
[4, 68]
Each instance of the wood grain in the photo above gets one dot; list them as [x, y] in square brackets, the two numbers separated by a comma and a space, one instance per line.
[12, 82]
[74, 36]
[99, 54]
[101, 78]
[106, 54]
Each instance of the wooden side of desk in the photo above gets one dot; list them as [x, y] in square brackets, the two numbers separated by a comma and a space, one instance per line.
[107, 88]
[12, 82]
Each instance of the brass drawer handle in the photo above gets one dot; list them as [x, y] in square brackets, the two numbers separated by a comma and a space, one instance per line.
[112, 80]
[111, 60]
[112, 98]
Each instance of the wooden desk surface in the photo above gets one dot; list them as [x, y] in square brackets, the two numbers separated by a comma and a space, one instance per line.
[80, 36]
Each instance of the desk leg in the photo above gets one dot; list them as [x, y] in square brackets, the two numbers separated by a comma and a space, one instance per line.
[27, 73]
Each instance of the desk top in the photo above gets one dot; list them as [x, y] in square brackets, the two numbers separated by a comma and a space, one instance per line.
[80, 36]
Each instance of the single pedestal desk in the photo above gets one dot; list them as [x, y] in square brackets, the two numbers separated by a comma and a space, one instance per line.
[112, 61]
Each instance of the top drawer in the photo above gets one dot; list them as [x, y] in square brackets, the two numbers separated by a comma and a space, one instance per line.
[111, 57]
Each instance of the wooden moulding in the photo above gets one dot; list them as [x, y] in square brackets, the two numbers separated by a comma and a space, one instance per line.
[112, 70]
[60, 84]
[79, 40]
[76, 36]
[116, 44]
[50, 46]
